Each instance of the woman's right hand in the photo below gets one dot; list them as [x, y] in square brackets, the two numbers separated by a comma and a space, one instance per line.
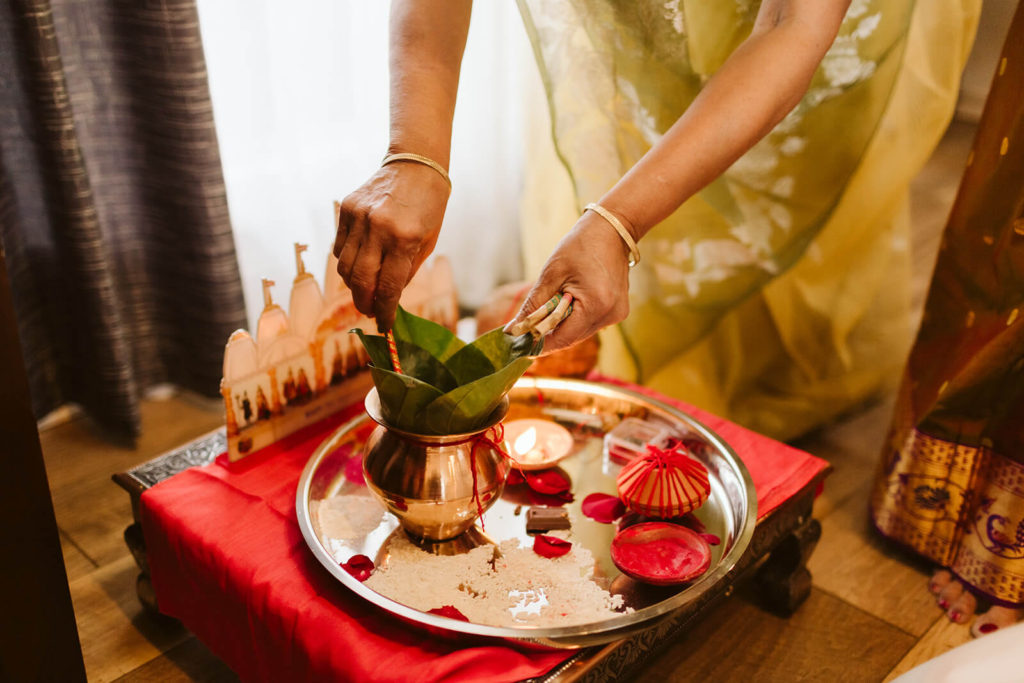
[386, 229]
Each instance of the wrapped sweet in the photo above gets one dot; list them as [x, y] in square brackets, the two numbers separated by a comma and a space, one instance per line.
[664, 483]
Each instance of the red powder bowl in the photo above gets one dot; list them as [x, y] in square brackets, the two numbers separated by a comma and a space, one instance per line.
[660, 553]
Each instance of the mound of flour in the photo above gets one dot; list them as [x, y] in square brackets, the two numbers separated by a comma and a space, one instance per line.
[506, 585]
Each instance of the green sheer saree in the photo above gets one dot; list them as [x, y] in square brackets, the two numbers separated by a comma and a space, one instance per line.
[778, 295]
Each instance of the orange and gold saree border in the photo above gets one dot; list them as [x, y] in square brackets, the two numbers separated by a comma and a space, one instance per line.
[957, 505]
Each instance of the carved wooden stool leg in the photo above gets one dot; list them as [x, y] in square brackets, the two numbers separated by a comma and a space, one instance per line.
[783, 581]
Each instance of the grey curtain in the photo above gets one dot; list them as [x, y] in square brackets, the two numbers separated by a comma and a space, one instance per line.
[113, 212]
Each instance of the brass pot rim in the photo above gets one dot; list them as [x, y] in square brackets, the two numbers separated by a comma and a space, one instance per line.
[374, 410]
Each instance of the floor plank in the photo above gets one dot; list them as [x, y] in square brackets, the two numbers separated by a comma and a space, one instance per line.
[853, 447]
[116, 635]
[855, 564]
[826, 640]
[188, 661]
[944, 635]
[76, 563]
[91, 510]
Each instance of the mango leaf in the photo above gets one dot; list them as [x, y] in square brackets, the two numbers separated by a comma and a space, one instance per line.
[464, 409]
[376, 346]
[416, 362]
[488, 353]
[435, 339]
[402, 398]
[446, 386]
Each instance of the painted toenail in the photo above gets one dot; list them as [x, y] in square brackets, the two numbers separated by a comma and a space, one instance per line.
[943, 603]
[988, 628]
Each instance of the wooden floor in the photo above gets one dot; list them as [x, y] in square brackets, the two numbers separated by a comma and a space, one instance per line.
[869, 616]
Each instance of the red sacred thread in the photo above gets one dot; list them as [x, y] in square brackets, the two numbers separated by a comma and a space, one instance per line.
[393, 350]
[493, 437]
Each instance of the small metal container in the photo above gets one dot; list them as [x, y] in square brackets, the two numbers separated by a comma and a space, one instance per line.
[437, 486]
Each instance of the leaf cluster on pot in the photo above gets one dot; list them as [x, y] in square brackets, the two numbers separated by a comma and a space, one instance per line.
[446, 386]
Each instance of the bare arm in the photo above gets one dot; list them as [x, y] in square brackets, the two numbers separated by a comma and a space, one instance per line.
[755, 88]
[753, 91]
[389, 225]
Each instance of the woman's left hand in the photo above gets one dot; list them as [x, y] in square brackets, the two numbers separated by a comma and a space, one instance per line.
[592, 264]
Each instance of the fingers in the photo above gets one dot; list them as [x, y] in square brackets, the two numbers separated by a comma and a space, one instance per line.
[352, 224]
[535, 307]
[362, 279]
[395, 272]
[576, 327]
[548, 315]
[385, 230]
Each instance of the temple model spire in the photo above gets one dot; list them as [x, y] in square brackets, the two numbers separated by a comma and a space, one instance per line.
[268, 301]
[300, 267]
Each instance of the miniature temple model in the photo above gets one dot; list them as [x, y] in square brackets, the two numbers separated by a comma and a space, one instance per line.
[304, 365]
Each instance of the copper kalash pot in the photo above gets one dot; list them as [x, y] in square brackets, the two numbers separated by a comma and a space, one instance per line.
[437, 486]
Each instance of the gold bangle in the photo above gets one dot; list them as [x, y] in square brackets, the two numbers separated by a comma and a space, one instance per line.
[408, 156]
[634, 252]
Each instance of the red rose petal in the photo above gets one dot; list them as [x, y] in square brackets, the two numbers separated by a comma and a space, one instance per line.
[690, 520]
[553, 500]
[354, 471]
[550, 482]
[359, 566]
[515, 477]
[550, 546]
[711, 539]
[448, 611]
[602, 507]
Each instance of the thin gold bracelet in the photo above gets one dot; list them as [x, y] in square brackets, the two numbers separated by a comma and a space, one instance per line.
[408, 156]
[634, 251]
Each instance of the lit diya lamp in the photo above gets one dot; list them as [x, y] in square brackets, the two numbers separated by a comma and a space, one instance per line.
[536, 444]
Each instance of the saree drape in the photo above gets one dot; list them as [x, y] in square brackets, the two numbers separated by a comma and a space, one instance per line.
[113, 212]
[951, 485]
[779, 295]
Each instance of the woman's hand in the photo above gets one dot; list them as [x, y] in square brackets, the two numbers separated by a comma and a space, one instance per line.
[386, 229]
[591, 264]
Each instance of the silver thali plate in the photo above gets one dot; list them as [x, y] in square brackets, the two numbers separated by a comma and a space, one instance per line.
[340, 519]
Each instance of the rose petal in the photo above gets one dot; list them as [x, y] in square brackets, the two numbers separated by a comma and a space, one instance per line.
[550, 546]
[602, 507]
[551, 482]
[515, 477]
[711, 539]
[551, 500]
[448, 611]
[690, 520]
[354, 471]
[359, 566]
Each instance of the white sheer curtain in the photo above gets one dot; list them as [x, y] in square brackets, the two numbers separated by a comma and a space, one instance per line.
[300, 96]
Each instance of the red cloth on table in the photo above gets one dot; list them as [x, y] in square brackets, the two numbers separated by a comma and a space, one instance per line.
[227, 558]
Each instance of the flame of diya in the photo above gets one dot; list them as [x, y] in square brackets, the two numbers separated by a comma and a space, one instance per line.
[664, 483]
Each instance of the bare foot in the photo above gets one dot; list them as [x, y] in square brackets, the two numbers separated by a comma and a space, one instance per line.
[940, 579]
[996, 618]
[958, 603]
